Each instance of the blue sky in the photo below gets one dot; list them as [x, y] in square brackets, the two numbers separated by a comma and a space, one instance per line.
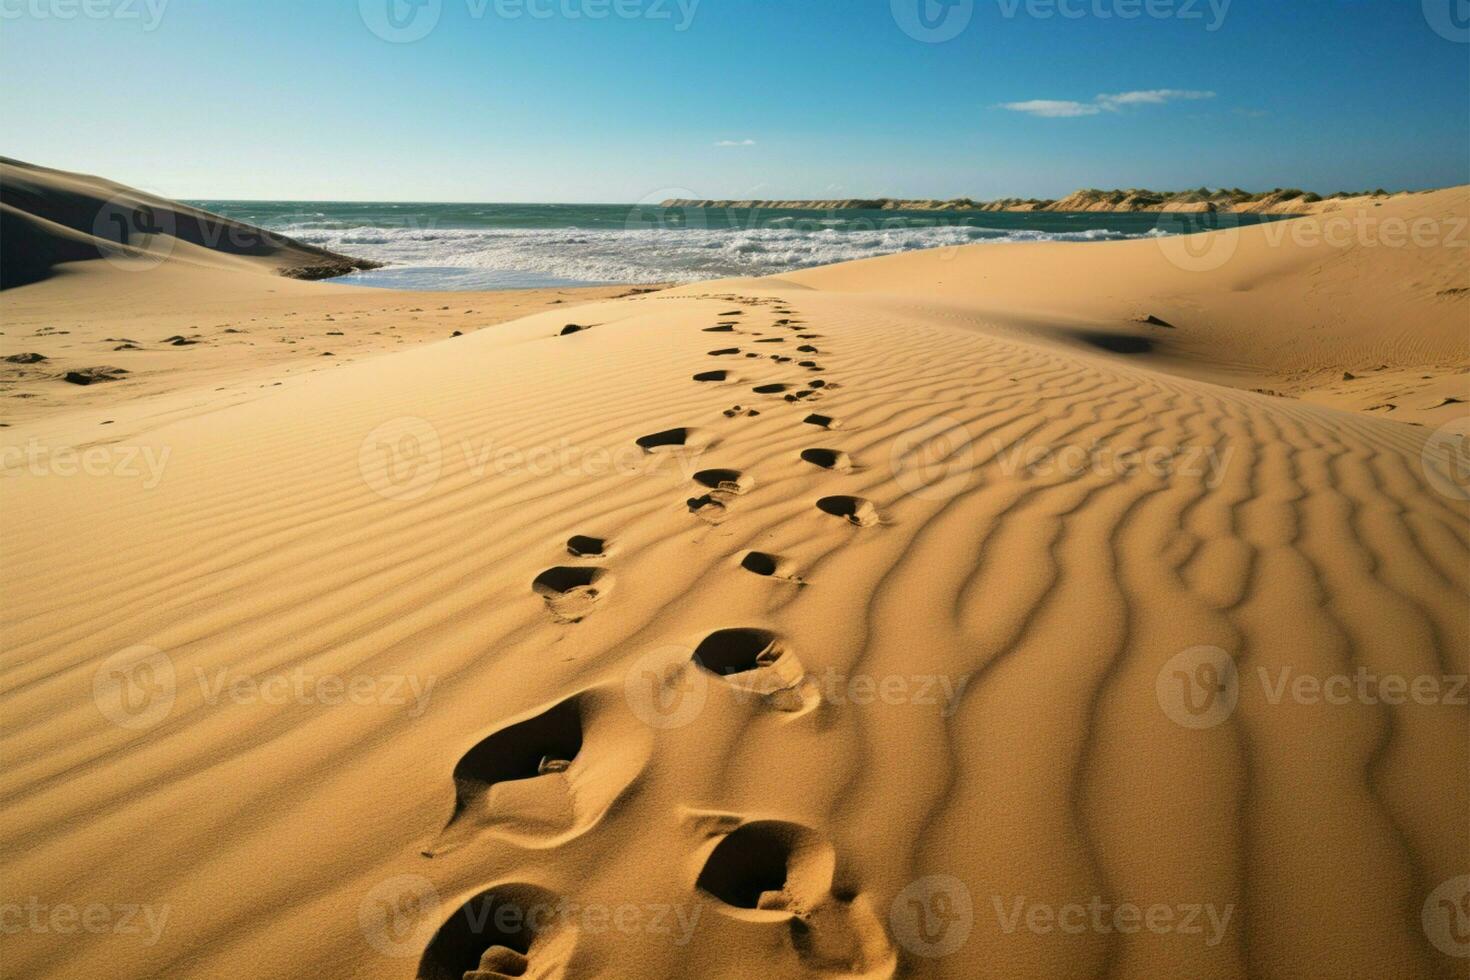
[626, 100]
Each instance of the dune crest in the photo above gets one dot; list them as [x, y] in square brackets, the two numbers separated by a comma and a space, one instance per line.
[986, 659]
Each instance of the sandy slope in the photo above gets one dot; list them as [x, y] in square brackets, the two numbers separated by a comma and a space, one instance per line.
[967, 729]
[206, 303]
[52, 219]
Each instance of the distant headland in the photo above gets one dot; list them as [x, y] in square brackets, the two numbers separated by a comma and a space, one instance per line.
[1278, 201]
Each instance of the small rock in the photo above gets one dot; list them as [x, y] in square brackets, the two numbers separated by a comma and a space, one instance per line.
[96, 375]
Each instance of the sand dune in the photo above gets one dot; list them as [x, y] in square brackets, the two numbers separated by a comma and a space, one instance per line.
[883, 620]
[53, 219]
[205, 304]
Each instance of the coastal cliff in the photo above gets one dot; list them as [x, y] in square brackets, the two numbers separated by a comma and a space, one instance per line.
[1280, 201]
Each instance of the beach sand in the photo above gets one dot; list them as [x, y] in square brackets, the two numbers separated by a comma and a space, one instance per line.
[822, 625]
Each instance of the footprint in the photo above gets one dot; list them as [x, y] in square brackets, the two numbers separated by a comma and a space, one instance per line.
[771, 340]
[734, 651]
[809, 365]
[545, 746]
[724, 351]
[725, 481]
[510, 930]
[754, 662]
[769, 566]
[823, 421]
[712, 376]
[709, 508]
[736, 410]
[808, 349]
[571, 591]
[733, 313]
[771, 389]
[798, 396]
[809, 336]
[572, 328]
[721, 328]
[854, 510]
[582, 546]
[668, 437]
[827, 459]
[769, 865]
[777, 874]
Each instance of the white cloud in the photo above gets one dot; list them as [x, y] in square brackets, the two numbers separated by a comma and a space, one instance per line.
[1156, 96]
[1051, 109]
[735, 143]
[1064, 109]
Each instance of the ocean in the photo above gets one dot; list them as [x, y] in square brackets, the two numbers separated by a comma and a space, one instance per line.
[506, 246]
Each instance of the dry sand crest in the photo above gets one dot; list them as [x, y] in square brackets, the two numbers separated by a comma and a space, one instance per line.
[983, 655]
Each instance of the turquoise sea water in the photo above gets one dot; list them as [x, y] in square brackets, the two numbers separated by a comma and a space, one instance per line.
[492, 246]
